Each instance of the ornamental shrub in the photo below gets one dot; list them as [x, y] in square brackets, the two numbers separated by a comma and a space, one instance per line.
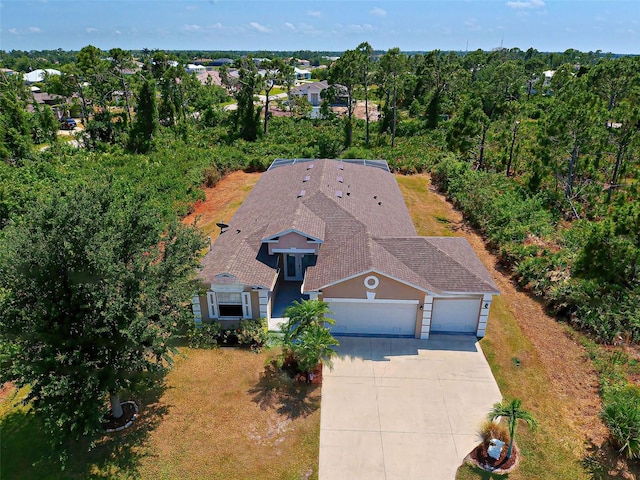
[253, 334]
[204, 336]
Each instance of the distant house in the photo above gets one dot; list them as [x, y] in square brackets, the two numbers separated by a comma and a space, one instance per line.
[56, 102]
[311, 91]
[302, 62]
[302, 74]
[193, 68]
[39, 74]
[7, 71]
[218, 62]
[339, 231]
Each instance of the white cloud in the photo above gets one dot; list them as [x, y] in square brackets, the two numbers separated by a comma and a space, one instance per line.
[378, 12]
[258, 27]
[356, 28]
[217, 26]
[118, 32]
[90, 30]
[523, 4]
[34, 29]
[13, 30]
[191, 8]
[290, 26]
[471, 24]
[314, 13]
[192, 28]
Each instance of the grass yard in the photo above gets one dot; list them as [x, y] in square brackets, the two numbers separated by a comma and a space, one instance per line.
[532, 356]
[221, 415]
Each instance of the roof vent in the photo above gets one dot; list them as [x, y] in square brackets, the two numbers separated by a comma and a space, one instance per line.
[375, 197]
[310, 166]
[301, 193]
[339, 193]
[340, 166]
[340, 179]
[379, 203]
[306, 178]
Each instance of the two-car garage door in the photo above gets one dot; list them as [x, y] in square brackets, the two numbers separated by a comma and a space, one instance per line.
[374, 317]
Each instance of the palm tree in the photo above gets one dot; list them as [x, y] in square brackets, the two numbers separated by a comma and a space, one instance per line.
[513, 412]
[304, 314]
[315, 344]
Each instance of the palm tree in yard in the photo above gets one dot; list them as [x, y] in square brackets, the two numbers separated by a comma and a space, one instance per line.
[315, 345]
[303, 314]
[512, 411]
[306, 339]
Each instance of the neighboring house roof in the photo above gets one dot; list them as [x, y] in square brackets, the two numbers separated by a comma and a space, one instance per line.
[306, 88]
[210, 76]
[39, 74]
[358, 213]
[47, 98]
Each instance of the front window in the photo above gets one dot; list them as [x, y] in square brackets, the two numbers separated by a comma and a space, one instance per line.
[229, 304]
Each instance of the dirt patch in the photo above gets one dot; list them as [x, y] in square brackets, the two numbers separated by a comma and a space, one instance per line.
[571, 374]
[222, 201]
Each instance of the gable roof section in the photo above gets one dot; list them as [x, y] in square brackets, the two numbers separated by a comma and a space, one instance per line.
[303, 222]
[446, 264]
[366, 227]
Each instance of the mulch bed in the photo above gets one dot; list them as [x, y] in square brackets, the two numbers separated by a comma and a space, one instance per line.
[480, 458]
[112, 424]
[290, 366]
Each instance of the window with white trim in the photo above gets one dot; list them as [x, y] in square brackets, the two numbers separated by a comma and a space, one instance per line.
[229, 304]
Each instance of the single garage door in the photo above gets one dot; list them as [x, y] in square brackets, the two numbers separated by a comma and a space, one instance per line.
[374, 318]
[455, 315]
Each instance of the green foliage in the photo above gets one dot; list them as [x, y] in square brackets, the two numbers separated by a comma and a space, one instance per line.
[95, 285]
[146, 123]
[204, 336]
[621, 413]
[306, 339]
[253, 333]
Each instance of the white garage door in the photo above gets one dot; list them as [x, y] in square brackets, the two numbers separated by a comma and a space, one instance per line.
[459, 315]
[373, 318]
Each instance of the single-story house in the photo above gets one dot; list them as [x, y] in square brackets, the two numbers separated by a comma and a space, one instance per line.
[311, 91]
[339, 231]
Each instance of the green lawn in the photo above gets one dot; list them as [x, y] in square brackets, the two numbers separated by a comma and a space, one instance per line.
[220, 415]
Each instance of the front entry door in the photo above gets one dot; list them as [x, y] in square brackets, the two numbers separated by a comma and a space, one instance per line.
[293, 266]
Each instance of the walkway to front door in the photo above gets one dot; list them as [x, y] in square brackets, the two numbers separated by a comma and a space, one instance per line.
[287, 293]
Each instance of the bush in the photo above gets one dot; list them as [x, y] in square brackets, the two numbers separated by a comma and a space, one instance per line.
[490, 430]
[204, 336]
[253, 333]
[621, 413]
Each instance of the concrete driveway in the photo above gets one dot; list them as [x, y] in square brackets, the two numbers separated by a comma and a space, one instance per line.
[401, 409]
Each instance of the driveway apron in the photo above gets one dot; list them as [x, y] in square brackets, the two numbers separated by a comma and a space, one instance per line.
[395, 408]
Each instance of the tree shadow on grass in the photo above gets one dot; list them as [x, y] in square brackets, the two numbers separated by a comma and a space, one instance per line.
[482, 474]
[605, 463]
[277, 391]
[26, 451]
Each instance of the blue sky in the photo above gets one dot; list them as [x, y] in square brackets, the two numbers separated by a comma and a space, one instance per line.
[547, 25]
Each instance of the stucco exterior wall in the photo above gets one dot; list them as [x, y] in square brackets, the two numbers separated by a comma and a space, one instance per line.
[387, 288]
[293, 240]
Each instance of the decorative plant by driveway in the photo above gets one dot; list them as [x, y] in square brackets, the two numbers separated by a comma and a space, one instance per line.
[512, 412]
[307, 341]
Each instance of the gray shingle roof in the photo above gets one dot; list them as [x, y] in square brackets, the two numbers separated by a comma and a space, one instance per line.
[366, 228]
